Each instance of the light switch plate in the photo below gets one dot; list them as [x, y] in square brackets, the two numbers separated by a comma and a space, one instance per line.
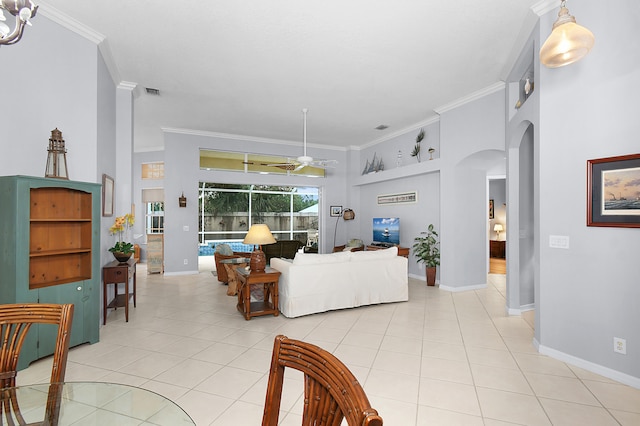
[559, 241]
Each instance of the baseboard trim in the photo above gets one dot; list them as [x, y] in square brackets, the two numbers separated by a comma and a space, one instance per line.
[523, 308]
[590, 366]
[465, 288]
[173, 274]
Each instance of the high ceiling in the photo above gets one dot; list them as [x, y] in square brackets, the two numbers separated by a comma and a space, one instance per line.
[248, 67]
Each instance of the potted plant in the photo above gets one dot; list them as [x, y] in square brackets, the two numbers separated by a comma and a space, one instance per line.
[122, 250]
[416, 148]
[426, 249]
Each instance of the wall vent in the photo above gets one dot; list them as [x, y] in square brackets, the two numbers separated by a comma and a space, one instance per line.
[154, 92]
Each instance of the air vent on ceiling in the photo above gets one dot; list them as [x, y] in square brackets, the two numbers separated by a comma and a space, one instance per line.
[382, 127]
[154, 92]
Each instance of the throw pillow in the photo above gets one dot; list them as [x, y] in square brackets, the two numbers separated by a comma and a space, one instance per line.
[224, 249]
[319, 259]
[374, 254]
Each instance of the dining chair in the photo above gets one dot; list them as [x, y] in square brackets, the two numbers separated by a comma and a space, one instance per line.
[15, 322]
[331, 391]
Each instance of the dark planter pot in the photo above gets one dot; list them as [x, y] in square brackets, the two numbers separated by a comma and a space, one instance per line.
[121, 257]
[431, 275]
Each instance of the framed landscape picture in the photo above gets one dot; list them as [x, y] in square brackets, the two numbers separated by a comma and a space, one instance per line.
[613, 191]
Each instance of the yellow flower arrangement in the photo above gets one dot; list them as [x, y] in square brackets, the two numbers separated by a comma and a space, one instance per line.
[119, 227]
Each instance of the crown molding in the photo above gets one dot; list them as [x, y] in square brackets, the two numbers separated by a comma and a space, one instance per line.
[495, 87]
[413, 127]
[544, 6]
[247, 138]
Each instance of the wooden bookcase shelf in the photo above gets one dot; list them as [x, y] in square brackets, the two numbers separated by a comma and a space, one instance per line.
[50, 247]
[60, 230]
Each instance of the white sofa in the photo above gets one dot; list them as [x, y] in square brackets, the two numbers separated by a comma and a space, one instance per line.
[312, 283]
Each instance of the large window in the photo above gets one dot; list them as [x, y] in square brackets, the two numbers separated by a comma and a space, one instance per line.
[228, 211]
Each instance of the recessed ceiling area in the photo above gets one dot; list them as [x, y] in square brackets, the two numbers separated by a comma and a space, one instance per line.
[249, 67]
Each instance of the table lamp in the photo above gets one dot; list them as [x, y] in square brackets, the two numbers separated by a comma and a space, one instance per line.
[498, 228]
[258, 234]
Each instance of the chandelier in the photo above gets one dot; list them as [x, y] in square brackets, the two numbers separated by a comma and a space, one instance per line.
[23, 10]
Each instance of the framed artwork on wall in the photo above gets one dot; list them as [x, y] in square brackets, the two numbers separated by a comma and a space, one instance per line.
[491, 211]
[335, 211]
[108, 187]
[399, 198]
[613, 191]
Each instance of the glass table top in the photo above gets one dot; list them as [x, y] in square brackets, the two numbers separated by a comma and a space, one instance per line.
[92, 403]
[235, 260]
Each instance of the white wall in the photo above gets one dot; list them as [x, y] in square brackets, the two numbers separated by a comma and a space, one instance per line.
[182, 174]
[589, 293]
[49, 81]
[58, 79]
[472, 141]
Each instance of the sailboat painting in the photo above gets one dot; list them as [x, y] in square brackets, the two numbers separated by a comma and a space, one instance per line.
[613, 191]
[621, 191]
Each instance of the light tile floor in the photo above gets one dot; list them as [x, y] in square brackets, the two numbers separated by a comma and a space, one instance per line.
[440, 359]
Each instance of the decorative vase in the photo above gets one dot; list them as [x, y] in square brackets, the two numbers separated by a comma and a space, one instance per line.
[431, 275]
[121, 257]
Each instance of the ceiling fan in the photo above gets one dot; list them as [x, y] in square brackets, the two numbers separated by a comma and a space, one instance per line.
[304, 160]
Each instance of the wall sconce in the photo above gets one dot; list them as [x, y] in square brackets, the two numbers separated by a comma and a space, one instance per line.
[498, 228]
[56, 157]
[182, 201]
[568, 41]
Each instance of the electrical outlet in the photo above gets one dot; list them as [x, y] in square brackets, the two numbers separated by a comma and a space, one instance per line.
[186, 261]
[620, 345]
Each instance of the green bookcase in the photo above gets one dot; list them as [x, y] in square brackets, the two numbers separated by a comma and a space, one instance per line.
[49, 245]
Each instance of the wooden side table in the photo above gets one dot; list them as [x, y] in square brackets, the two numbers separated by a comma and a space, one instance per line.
[497, 249]
[115, 273]
[269, 281]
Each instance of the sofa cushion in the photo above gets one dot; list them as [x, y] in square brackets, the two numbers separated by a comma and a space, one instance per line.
[357, 256]
[317, 259]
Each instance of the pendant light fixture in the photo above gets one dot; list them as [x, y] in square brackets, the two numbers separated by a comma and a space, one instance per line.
[568, 42]
[22, 11]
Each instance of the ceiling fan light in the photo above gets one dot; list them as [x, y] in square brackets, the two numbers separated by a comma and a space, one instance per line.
[567, 43]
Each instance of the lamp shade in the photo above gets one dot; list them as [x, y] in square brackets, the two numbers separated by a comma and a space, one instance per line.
[568, 42]
[259, 234]
[498, 227]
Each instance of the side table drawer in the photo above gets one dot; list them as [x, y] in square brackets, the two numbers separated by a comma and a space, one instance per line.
[116, 275]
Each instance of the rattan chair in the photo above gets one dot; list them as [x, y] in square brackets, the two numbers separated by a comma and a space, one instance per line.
[331, 391]
[15, 322]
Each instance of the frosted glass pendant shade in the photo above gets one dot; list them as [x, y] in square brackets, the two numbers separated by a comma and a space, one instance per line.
[568, 42]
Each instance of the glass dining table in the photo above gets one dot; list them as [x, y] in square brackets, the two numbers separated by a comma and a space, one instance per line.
[88, 403]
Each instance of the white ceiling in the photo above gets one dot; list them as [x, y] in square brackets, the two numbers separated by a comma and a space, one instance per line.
[248, 67]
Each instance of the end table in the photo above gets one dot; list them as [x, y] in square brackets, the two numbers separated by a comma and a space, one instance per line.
[269, 281]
